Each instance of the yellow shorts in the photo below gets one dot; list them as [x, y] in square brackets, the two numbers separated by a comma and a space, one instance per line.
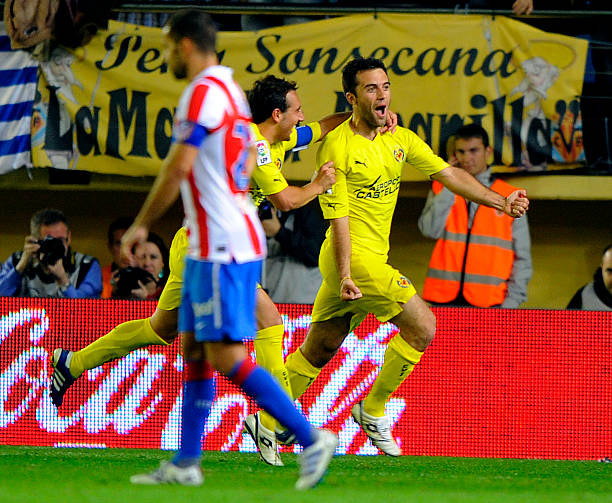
[170, 298]
[385, 290]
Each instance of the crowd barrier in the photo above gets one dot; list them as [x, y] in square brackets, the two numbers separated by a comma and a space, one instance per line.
[494, 383]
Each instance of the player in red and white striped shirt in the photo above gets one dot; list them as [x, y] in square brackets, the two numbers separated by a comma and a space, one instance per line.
[211, 161]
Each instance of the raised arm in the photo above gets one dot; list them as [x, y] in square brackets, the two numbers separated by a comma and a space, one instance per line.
[461, 182]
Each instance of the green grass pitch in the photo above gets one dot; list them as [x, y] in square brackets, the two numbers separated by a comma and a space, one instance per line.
[47, 475]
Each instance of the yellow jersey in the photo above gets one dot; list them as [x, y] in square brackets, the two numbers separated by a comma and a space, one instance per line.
[267, 177]
[367, 184]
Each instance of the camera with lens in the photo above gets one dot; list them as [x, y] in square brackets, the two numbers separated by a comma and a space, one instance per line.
[51, 250]
[128, 279]
[265, 210]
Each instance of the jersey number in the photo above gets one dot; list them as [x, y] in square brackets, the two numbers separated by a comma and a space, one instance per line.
[239, 174]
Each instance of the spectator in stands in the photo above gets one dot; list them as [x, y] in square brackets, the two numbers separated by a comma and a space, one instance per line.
[116, 230]
[597, 295]
[146, 279]
[481, 258]
[47, 266]
[291, 272]
[519, 7]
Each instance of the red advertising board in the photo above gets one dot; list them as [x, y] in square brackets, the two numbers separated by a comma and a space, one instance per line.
[494, 383]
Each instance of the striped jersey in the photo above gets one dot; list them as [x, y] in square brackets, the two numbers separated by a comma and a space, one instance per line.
[18, 77]
[222, 223]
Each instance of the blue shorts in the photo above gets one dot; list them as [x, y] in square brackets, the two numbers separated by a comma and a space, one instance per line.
[218, 301]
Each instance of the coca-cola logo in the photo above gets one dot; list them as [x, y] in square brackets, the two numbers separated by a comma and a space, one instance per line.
[136, 401]
[490, 380]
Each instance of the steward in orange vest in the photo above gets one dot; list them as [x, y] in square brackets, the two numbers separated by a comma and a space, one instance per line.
[479, 257]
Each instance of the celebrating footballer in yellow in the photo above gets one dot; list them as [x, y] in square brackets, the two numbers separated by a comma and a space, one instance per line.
[357, 279]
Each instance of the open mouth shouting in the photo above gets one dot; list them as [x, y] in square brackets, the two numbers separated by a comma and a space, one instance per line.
[381, 112]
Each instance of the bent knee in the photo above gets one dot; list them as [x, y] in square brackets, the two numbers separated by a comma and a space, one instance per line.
[428, 329]
[267, 315]
[318, 356]
[421, 335]
[164, 324]
[169, 335]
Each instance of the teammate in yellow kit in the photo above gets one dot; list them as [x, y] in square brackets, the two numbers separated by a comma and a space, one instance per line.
[276, 112]
[357, 279]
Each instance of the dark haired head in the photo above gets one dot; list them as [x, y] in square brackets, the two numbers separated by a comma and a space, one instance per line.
[163, 249]
[469, 131]
[607, 249]
[46, 217]
[353, 67]
[121, 223]
[195, 25]
[267, 95]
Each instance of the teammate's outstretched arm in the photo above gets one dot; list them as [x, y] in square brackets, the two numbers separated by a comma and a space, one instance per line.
[461, 182]
[331, 122]
[293, 197]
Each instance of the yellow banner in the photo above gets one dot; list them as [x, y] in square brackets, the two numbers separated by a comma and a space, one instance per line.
[108, 107]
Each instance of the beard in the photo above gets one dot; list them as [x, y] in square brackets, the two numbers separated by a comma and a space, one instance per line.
[180, 71]
[373, 120]
[370, 118]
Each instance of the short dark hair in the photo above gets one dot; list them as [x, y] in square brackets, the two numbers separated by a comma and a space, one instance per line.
[353, 67]
[267, 95]
[117, 224]
[48, 216]
[195, 25]
[469, 131]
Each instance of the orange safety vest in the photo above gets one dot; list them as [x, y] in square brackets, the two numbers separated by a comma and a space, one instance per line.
[107, 288]
[489, 258]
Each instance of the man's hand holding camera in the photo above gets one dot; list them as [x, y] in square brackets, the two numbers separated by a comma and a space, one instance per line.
[57, 270]
[30, 249]
[50, 253]
[46, 266]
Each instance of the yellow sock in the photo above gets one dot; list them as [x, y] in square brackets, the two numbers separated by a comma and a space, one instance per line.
[301, 373]
[269, 355]
[400, 359]
[120, 341]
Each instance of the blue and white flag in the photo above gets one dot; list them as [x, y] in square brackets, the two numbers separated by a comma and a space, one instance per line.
[18, 76]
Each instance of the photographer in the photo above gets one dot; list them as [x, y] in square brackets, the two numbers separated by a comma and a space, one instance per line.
[47, 266]
[146, 278]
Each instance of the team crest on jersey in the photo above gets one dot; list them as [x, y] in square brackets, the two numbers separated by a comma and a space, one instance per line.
[264, 156]
[278, 163]
[399, 155]
[403, 282]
